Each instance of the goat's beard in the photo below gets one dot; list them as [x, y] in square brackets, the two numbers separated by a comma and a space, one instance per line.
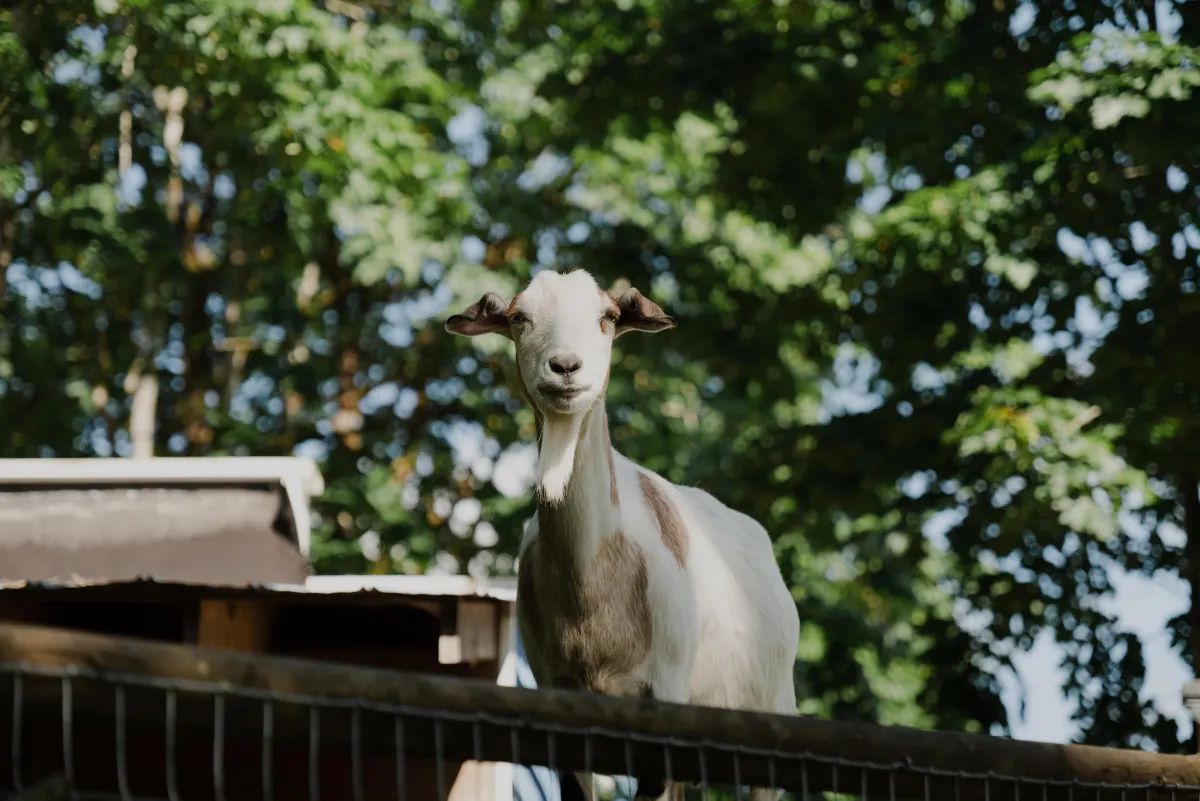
[556, 458]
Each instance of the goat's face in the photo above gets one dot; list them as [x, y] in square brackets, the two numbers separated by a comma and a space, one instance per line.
[563, 326]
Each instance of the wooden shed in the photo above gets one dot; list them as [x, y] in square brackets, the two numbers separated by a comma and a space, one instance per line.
[213, 552]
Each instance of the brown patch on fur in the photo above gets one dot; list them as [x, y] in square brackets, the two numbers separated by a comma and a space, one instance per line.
[592, 630]
[488, 315]
[670, 524]
[639, 313]
[609, 325]
[512, 305]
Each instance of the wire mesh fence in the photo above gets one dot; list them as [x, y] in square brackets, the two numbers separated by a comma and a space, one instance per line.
[97, 717]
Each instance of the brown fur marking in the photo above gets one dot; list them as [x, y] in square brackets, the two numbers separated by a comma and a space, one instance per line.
[591, 631]
[670, 524]
[606, 325]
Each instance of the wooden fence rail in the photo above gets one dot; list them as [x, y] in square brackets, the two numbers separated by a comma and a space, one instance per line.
[181, 722]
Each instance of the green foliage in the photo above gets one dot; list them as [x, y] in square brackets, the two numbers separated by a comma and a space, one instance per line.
[862, 206]
[274, 254]
[857, 212]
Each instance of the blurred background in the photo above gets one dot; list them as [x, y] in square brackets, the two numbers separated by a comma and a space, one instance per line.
[934, 266]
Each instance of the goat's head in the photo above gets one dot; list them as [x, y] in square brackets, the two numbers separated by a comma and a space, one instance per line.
[563, 326]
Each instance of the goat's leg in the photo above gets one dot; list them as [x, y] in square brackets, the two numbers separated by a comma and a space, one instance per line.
[574, 786]
[785, 704]
[673, 792]
[658, 788]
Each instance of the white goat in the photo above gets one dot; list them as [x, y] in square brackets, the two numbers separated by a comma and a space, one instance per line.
[628, 584]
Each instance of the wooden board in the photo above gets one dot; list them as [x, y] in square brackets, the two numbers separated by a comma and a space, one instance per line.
[234, 625]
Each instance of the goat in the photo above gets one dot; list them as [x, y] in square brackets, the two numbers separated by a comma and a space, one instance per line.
[628, 584]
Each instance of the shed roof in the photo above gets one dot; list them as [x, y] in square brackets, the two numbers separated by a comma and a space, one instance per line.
[209, 535]
[219, 521]
[299, 477]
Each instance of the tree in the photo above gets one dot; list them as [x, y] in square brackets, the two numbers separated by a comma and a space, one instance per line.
[873, 198]
[243, 215]
[888, 232]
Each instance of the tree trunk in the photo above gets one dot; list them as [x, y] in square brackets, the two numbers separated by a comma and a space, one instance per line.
[141, 416]
[1191, 569]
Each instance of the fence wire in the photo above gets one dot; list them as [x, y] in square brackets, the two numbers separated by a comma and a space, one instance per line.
[80, 733]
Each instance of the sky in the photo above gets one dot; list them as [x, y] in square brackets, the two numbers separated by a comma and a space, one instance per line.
[1141, 605]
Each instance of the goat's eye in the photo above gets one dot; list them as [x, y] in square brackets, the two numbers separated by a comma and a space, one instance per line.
[609, 319]
[517, 318]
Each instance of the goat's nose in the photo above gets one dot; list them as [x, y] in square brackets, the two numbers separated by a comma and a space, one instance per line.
[565, 363]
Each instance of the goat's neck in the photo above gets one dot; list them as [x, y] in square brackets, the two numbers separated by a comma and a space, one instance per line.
[588, 513]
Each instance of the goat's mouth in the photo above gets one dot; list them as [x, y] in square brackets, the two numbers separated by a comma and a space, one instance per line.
[561, 395]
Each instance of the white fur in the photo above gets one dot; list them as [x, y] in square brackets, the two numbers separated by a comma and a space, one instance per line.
[724, 625]
[556, 458]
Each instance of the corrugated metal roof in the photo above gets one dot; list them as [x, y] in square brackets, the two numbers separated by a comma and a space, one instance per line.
[299, 477]
[211, 534]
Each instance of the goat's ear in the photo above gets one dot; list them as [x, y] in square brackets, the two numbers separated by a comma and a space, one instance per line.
[488, 315]
[639, 313]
